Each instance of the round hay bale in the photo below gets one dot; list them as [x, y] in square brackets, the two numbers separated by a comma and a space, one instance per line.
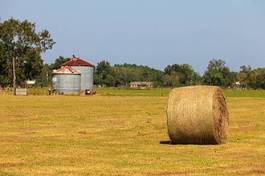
[197, 115]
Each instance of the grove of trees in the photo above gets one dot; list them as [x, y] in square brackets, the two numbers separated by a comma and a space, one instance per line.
[175, 75]
[20, 40]
[122, 75]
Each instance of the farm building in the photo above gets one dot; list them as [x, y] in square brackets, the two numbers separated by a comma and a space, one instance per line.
[139, 84]
[74, 77]
[66, 80]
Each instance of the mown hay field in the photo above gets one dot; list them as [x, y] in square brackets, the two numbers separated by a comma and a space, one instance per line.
[121, 135]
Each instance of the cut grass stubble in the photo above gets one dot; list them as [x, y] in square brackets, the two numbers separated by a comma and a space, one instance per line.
[120, 135]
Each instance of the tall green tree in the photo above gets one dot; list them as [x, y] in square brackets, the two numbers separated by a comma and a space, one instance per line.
[260, 78]
[44, 79]
[217, 73]
[20, 39]
[185, 73]
[246, 76]
[171, 80]
[103, 69]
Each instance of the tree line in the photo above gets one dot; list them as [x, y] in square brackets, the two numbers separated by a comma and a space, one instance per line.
[175, 75]
[20, 40]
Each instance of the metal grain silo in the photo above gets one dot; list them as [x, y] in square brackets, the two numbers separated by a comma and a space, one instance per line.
[67, 80]
[86, 69]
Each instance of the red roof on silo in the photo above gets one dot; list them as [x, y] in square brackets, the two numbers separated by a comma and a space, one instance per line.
[76, 61]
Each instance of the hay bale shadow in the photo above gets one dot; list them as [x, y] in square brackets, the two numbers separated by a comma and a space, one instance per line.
[168, 142]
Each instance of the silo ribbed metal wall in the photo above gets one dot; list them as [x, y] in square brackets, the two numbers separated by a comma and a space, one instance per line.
[86, 77]
[67, 83]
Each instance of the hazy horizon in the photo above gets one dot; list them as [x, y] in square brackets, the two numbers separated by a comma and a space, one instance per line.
[150, 32]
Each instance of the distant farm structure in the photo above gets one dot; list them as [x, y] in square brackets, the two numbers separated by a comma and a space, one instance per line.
[239, 85]
[74, 77]
[141, 84]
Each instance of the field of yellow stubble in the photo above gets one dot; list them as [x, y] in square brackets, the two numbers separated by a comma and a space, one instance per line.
[120, 135]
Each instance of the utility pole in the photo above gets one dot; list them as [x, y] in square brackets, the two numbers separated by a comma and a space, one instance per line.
[14, 75]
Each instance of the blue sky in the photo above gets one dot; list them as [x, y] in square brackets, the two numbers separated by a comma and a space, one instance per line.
[150, 32]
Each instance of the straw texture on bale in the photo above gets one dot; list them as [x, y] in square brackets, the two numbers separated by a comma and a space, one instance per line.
[197, 115]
